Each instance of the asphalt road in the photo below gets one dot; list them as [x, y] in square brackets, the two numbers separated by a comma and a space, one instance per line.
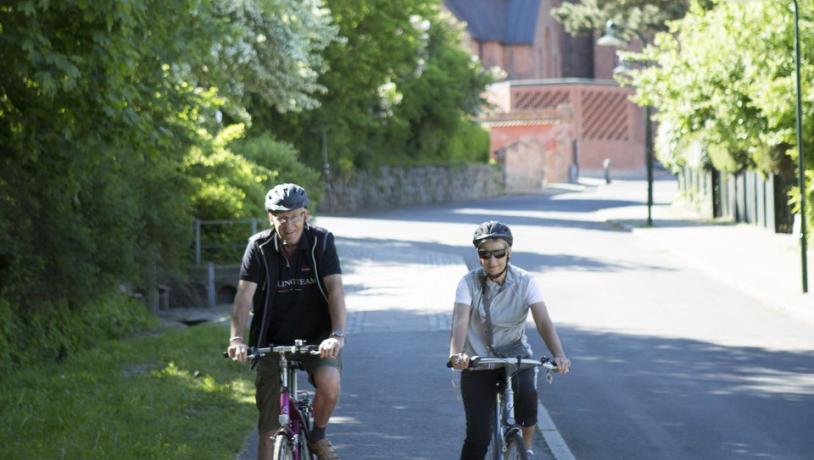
[668, 363]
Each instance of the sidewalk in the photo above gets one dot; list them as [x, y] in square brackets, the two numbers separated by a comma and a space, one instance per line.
[759, 263]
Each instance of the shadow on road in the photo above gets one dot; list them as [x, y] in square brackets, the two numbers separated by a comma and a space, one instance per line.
[654, 397]
[389, 251]
[514, 210]
[646, 396]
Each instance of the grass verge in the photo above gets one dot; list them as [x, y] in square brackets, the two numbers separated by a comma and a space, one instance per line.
[170, 396]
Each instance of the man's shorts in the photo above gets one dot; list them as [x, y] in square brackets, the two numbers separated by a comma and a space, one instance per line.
[267, 384]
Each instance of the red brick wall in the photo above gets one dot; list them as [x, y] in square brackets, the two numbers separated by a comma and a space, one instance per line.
[491, 54]
[599, 117]
[605, 123]
[502, 136]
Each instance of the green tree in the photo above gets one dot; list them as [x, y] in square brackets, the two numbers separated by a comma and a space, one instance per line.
[102, 105]
[396, 80]
[724, 79]
[265, 52]
[585, 16]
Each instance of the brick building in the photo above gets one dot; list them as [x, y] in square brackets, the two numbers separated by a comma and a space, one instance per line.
[558, 102]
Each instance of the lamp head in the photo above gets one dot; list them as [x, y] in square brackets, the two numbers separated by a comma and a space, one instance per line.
[613, 36]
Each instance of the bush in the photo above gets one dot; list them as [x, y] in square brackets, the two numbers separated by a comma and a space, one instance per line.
[30, 335]
[283, 162]
[231, 176]
[469, 143]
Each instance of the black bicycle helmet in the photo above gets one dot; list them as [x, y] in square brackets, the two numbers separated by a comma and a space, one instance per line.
[492, 230]
[286, 197]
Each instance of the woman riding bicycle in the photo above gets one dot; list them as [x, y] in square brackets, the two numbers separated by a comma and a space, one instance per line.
[491, 306]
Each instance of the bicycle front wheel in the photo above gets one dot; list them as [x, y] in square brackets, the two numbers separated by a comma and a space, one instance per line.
[305, 452]
[283, 450]
[515, 450]
[496, 443]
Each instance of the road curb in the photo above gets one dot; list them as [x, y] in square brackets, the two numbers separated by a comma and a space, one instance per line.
[551, 435]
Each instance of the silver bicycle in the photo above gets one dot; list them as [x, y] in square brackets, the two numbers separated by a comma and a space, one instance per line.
[507, 435]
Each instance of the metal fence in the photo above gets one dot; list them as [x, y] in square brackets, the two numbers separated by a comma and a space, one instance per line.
[222, 241]
[747, 197]
[219, 246]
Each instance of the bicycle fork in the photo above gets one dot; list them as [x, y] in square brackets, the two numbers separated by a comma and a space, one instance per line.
[291, 426]
[506, 416]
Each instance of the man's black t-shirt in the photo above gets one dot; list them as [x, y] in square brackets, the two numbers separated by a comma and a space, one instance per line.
[298, 311]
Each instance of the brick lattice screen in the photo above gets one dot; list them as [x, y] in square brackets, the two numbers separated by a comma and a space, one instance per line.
[604, 115]
[539, 99]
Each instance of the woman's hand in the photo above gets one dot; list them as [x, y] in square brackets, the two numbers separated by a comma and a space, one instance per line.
[459, 360]
[563, 364]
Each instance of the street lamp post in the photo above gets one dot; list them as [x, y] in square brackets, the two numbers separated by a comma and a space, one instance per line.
[614, 38]
[801, 180]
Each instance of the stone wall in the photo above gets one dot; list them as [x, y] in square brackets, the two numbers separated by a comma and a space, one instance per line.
[391, 187]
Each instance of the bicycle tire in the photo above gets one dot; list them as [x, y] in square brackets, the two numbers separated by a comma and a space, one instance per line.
[282, 448]
[515, 449]
[305, 452]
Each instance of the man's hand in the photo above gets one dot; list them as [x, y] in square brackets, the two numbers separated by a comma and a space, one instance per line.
[238, 350]
[459, 360]
[329, 348]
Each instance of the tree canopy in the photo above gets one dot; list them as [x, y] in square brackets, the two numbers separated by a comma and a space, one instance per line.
[122, 121]
[107, 111]
[723, 79]
[399, 90]
[646, 16]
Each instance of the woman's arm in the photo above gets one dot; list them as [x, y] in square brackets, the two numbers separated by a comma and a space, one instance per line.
[546, 329]
[460, 326]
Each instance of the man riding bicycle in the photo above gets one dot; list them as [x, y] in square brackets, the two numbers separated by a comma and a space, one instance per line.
[290, 278]
[492, 303]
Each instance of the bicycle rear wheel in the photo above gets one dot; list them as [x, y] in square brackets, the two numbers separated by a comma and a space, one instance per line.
[515, 450]
[283, 450]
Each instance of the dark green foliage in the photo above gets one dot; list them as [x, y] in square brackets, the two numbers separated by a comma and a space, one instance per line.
[57, 332]
[111, 141]
[89, 172]
[102, 104]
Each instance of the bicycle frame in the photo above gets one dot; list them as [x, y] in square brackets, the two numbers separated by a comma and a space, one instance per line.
[293, 423]
[504, 413]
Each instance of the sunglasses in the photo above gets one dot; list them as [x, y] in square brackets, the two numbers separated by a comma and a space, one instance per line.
[498, 253]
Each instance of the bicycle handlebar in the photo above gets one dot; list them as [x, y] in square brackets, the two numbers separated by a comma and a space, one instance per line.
[482, 361]
[259, 352]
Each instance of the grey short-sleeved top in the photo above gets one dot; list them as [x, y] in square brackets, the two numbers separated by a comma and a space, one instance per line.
[509, 308]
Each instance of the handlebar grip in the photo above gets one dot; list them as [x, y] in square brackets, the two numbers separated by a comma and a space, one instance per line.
[250, 353]
[473, 361]
[548, 363]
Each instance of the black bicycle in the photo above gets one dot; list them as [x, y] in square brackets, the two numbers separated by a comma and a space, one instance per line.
[507, 435]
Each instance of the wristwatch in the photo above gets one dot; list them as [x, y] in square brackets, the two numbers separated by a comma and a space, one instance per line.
[337, 333]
